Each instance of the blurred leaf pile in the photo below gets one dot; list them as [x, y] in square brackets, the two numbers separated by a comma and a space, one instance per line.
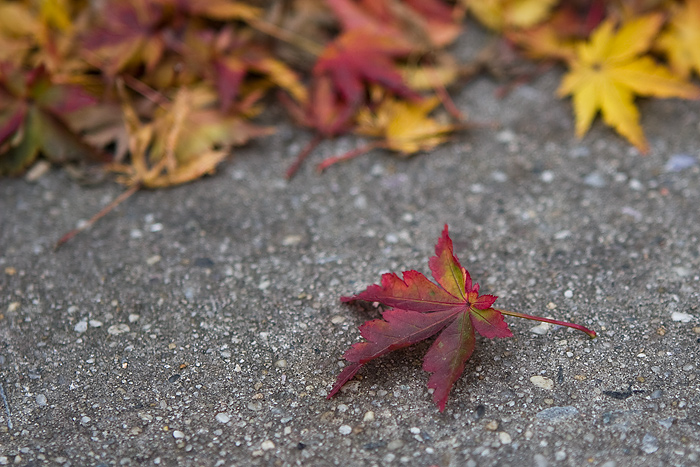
[159, 91]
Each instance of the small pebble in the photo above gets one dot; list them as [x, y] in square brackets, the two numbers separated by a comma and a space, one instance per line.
[569, 294]
[650, 444]
[345, 429]
[666, 422]
[394, 444]
[254, 405]
[267, 445]
[542, 382]
[682, 317]
[95, 323]
[595, 180]
[117, 329]
[540, 461]
[504, 438]
[560, 455]
[492, 425]
[85, 420]
[223, 418]
[337, 319]
[369, 416]
[415, 430]
[177, 434]
[541, 329]
[291, 240]
[153, 260]
[680, 162]
[81, 327]
[134, 317]
[41, 400]
[499, 176]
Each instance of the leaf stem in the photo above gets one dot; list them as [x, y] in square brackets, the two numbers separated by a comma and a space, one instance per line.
[324, 164]
[590, 332]
[103, 212]
[303, 155]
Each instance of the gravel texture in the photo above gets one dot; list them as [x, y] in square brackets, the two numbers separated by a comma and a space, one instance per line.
[201, 325]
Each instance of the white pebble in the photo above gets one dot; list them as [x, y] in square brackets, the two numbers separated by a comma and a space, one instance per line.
[291, 240]
[541, 329]
[345, 429]
[134, 317]
[569, 294]
[95, 323]
[504, 438]
[267, 445]
[177, 434]
[81, 327]
[41, 400]
[117, 329]
[682, 317]
[369, 416]
[542, 382]
[223, 417]
[153, 260]
[415, 430]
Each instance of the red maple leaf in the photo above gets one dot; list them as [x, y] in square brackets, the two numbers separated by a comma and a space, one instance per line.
[422, 309]
[360, 56]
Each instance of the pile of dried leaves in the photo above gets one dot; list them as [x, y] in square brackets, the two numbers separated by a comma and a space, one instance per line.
[159, 91]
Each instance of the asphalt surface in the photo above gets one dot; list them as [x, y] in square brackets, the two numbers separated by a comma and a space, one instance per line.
[201, 325]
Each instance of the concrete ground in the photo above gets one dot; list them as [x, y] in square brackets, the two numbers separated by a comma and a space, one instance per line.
[201, 325]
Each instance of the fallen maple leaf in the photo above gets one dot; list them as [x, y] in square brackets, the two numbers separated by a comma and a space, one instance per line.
[610, 69]
[404, 126]
[422, 309]
[33, 112]
[359, 56]
[500, 14]
[681, 40]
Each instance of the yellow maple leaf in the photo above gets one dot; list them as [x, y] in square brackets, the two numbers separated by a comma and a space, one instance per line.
[611, 68]
[681, 39]
[405, 126]
[500, 14]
